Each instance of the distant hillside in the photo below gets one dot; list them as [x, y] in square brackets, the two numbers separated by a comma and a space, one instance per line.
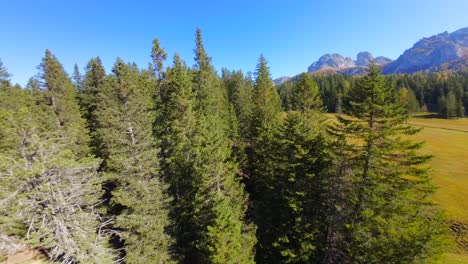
[280, 80]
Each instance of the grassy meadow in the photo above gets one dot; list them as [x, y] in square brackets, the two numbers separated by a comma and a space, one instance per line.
[447, 140]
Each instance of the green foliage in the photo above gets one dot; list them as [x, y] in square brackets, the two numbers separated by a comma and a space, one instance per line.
[125, 116]
[77, 78]
[426, 92]
[220, 201]
[305, 94]
[178, 149]
[408, 99]
[239, 92]
[158, 55]
[266, 101]
[4, 75]
[49, 182]
[175, 128]
[293, 228]
[91, 86]
[391, 216]
[264, 122]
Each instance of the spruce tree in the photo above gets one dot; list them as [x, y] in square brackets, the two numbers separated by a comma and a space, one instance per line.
[305, 95]
[33, 84]
[239, 90]
[92, 85]
[300, 160]
[77, 78]
[159, 55]
[223, 235]
[448, 105]
[175, 128]
[265, 120]
[4, 75]
[266, 101]
[125, 118]
[391, 217]
[55, 189]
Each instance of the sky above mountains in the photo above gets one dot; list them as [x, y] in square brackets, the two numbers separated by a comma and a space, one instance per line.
[291, 34]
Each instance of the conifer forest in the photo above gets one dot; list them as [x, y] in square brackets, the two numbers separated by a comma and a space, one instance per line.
[174, 163]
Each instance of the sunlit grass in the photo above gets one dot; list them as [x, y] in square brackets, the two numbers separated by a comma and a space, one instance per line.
[447, 141]
[453, 258]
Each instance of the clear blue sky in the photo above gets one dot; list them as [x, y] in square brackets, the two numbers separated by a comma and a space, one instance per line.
[291, 34]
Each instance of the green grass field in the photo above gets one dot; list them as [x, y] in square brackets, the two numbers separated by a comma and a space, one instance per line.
[447, 140]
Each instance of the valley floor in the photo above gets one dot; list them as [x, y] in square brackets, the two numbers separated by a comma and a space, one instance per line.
[447, 140]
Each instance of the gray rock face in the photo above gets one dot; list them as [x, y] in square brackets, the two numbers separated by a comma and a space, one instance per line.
[439, 52]
[364, 58]
[280, 80]
[332, 61]
[345, 65]
[381, 60]
[430, 52]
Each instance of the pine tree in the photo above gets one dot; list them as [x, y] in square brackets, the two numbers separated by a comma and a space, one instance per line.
[392, 218]
[4, 75]
[77, 79]
[222, 235]
[125, 117]
[300, 159]
[54, 180]
[266, 101]
[408, 99]
[305, 94]
[33, 84]
[92, 85]
[158, 55]
[239, 90]
[175, 128]
[448, 105]
[261, 169]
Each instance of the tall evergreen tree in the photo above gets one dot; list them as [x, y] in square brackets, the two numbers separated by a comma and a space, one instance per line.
[159, 55]
[392, 218]
[300, 160]
[305, 95]
[449, 106]
[219, 207]
[4, 75]
[409, 100]
[92, 85]
[266, 101]
[265, 120]
[175, 128]
[77, 78]
[33, 84]
[125, 116]
[239, 90]
[55, 188]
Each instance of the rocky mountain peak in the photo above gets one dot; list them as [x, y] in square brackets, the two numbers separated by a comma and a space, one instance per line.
[364, 58]
[345, 65]
[430, 52]
[332, 61]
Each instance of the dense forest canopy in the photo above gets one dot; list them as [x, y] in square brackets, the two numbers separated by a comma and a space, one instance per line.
[443, 92]
[179, 164]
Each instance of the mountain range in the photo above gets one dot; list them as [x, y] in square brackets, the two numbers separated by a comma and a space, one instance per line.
[444, 51]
